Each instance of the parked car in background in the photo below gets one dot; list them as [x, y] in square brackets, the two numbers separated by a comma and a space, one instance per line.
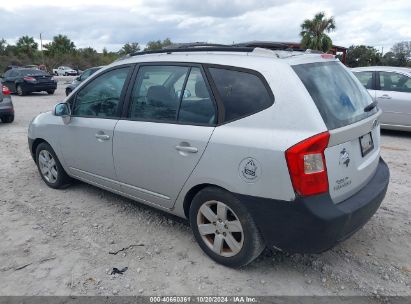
[64, 71]
[24, 81]
[391, 88]
[6, 105]
[86, 74]
[255, 147]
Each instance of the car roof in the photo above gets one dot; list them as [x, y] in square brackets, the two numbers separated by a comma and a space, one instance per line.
[383, 69]
[246, 59]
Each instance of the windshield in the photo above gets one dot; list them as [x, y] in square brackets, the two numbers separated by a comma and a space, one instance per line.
[339, 96]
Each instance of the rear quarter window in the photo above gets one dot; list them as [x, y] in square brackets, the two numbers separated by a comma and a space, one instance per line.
[242, 92]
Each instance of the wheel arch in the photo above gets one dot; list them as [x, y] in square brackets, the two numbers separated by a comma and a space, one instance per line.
[34, 146]
[192, 192]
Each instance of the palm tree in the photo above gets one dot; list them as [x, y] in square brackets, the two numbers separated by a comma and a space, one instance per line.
[313, 32]
[26, 45]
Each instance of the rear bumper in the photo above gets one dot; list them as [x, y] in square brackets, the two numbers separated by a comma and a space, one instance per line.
[6, 110]
[38, 87]
[314, 224]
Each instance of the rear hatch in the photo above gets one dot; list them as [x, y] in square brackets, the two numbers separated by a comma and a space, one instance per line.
[352, 154]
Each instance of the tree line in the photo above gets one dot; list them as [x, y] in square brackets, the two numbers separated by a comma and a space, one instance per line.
[62, 51]
[314, 36]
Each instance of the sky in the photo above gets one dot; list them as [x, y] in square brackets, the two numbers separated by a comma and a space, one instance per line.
[110, 24]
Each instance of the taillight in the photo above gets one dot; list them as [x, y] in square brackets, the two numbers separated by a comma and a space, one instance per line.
[306, 164]
[29, 78]
[5, 90]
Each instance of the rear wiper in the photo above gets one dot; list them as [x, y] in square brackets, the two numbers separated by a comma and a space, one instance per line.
[370, 106]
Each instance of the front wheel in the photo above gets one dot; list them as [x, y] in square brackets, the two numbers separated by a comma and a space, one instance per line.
[50, 92]
[224, 229]
[50, 167]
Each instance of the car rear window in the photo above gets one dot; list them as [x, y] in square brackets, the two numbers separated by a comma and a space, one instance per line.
[242, 93]
[32, 72]
[339, 96]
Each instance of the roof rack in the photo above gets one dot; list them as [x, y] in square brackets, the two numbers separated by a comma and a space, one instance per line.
[280, 46]
[197, 48]
[195, 44]
[246, 47]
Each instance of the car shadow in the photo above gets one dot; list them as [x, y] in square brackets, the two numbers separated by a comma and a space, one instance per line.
[396, 133]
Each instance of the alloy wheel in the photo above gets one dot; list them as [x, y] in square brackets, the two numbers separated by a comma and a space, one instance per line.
[220, 228]
[48, 166]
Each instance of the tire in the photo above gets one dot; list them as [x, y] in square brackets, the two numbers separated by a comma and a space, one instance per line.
[19, 90]
[238, 228]
[7, 119]
[68, 91]
[56, 178]
[50, 92]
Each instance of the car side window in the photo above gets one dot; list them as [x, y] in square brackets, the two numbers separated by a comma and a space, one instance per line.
[197, 107]
[242, 93]
[390, 81]
[101, 96]
[156, 93]
[365, 78]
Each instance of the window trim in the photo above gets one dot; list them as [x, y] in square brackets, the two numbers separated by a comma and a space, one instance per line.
[189, 65]
[220, 102]
[73, 100]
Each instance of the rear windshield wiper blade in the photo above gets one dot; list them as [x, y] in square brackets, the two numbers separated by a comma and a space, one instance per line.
[370, 106]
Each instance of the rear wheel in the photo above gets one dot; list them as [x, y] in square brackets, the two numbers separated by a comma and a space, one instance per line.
[224, 229]
[50, 92]
[20, 91]
[7, 119]
[50, 167]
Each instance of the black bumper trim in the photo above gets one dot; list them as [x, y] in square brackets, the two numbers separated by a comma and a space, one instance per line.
[314, 224]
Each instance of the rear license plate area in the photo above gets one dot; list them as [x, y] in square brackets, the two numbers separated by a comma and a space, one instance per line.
[366, 144]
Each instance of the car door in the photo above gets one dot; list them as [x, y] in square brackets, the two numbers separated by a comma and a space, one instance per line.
[86, 141]
[394, 98]
[171, 116]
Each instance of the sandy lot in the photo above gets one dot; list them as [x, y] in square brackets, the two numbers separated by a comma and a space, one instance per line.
[58, 242]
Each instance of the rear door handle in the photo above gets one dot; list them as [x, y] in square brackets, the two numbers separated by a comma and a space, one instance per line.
[102, 137]
[385, 96]
[187, 149]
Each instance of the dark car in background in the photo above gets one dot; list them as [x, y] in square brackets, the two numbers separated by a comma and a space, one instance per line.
[6, 105]
[23, 81]
[86, 74]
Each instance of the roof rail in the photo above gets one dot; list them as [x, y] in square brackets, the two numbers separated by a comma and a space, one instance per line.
[280, 46]
[195, 44]
[197, 49]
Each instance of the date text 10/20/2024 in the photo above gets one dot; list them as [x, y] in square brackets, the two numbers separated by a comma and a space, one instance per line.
[203, 299]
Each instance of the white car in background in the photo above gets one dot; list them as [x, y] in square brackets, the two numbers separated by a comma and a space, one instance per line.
[64, 71]
[391, 88]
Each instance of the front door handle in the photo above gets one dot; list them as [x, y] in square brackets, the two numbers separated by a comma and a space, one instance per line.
[385, 96]
[186, 148]
[102, 137]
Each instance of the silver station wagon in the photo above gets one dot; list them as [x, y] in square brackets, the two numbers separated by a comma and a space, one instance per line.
[255, 147]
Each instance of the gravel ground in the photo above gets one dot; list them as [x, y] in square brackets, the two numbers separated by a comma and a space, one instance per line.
[58, 242]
